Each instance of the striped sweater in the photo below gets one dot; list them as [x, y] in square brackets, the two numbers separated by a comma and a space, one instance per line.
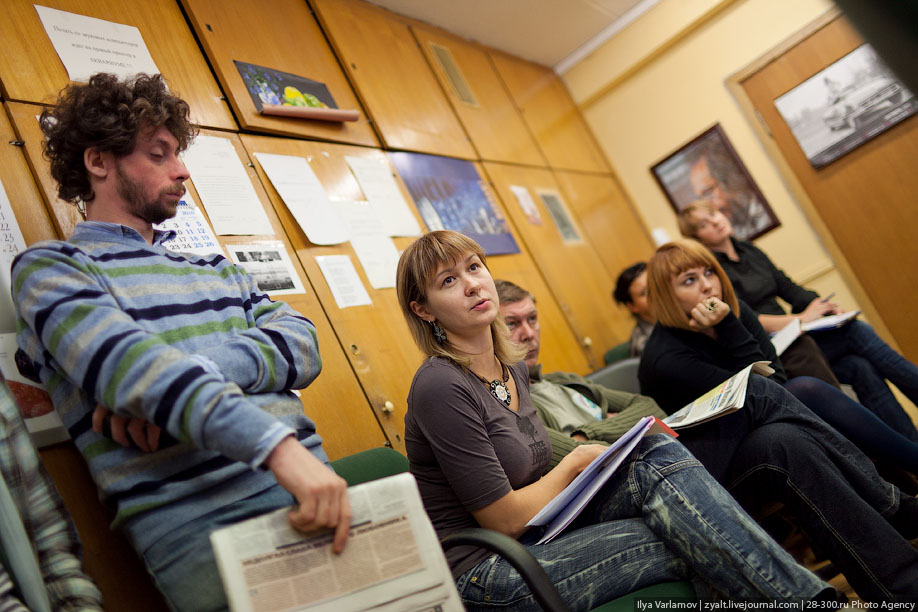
[186, 342]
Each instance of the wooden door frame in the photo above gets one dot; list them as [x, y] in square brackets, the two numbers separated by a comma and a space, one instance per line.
[734, 85]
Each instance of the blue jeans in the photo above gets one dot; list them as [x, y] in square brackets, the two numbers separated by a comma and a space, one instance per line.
[661, 517]
[861, 359]
[182, 564]
[867, 431]
[775, 449]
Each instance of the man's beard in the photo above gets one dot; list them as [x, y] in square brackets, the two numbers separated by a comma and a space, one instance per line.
[152, 211]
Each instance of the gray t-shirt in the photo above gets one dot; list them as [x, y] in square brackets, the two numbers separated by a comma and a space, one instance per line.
[467, 449]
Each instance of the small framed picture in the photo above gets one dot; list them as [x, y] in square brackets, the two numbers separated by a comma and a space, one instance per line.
[708, 168]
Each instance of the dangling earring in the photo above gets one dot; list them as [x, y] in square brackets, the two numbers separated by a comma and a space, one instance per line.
[438, 333]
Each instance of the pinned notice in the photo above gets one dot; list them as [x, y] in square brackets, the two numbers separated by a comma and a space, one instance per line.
[11, 244]
[306, 199]
[382, 192]
[87, 45]
[225, 188]
[375, 250]
[343, 280]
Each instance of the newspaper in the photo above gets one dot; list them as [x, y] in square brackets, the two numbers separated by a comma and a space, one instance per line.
[392, 561]
[729, 396]
[566, 505]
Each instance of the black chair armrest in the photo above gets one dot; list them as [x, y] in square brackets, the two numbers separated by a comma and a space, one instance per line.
[517, 556]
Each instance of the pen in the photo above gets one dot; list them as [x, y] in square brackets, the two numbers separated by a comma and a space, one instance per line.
[828, 297]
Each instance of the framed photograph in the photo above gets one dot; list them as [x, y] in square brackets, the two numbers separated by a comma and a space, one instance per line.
[558, 212]
[708, 168]
[844, 105]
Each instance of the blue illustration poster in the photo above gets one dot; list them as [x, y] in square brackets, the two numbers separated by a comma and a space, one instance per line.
[449, 195]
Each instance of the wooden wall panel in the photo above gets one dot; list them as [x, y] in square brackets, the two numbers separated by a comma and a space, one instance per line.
[560, 350]
[27, 204]
[31, 71]
[24, 118]
[612, 227]
[285, 38]
[550, 112]
[574, 272]
[866, 199]
[494, 125]
[375, 337]
[392, 78]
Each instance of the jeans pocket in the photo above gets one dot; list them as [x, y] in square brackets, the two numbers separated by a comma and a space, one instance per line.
[474, 585]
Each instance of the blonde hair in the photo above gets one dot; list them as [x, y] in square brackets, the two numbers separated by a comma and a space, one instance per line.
[671, 260]
[417, 266]
[686, 225]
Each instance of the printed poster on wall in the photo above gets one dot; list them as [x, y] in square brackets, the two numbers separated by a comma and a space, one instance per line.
[450, 195]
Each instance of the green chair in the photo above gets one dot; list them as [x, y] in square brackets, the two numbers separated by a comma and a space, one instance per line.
[380, 462]
[617, 353]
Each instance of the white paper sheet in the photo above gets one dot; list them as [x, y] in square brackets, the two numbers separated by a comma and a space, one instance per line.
[87, 45]
[193, 233]
[11, 243]
[307, 200]
[382, 192]
[343, 280]
[527, 204]
[375, 250]
[830, 321]
[225, 189]
[269, 263]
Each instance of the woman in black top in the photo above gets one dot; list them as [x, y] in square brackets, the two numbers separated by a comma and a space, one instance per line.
[855, 353]
[774, 448]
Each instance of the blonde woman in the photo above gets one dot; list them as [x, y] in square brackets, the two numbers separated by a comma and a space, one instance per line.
[854, 352]
[480, 457]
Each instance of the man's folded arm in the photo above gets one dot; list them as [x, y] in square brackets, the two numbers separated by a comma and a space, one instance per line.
[280, 353]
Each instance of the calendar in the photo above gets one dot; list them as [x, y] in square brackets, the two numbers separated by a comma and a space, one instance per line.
[193, 233]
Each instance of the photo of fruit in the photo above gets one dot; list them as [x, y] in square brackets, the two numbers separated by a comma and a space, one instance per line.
[269, 86]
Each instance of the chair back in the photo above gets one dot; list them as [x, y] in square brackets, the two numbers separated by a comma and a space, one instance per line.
[370, 465]
[621, 375]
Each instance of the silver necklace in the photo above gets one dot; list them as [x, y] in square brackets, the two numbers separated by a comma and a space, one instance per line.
[497, 387]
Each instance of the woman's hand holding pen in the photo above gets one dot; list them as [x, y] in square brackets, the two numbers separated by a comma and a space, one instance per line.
[820, 307]
[708, 313]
